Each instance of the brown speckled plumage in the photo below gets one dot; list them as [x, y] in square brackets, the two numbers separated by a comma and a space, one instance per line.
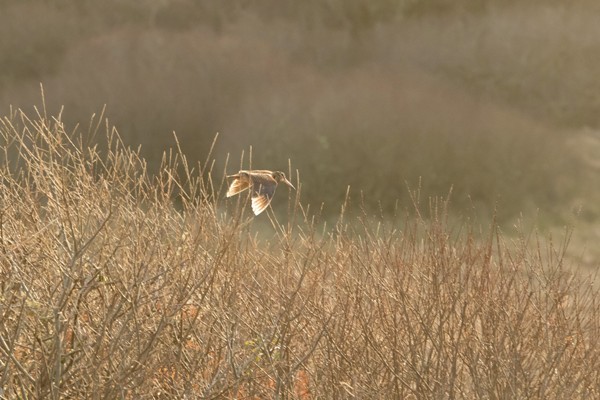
[262, 183]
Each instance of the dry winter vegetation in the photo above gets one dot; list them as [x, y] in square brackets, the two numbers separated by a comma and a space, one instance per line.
[115, 283]
[124, 274]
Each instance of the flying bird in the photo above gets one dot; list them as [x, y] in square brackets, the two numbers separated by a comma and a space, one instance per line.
[262, 184]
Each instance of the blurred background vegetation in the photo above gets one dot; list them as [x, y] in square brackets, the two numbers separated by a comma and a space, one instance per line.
[498, 100]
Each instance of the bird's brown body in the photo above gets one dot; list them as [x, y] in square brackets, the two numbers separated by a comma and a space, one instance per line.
[262, 184]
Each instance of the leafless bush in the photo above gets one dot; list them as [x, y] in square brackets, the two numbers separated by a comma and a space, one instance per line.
[112, 289]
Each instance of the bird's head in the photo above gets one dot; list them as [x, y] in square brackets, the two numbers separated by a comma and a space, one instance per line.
[280, 178]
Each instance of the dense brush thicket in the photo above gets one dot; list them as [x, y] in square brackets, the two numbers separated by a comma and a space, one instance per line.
[110, 290]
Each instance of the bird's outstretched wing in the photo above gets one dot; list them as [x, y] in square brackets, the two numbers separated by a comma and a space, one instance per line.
[237, 185]
[262, 193]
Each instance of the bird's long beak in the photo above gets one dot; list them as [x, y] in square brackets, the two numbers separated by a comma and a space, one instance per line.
[288, 183]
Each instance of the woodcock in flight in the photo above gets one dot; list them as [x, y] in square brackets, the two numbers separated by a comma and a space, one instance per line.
[261, 182]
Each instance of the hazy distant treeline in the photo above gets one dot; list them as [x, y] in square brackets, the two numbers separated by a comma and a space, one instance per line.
[487, 98]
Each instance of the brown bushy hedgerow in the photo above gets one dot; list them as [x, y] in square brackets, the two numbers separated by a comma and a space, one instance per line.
[118, 284]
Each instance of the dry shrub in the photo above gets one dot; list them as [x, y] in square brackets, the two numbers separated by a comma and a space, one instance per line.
[109, 290]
